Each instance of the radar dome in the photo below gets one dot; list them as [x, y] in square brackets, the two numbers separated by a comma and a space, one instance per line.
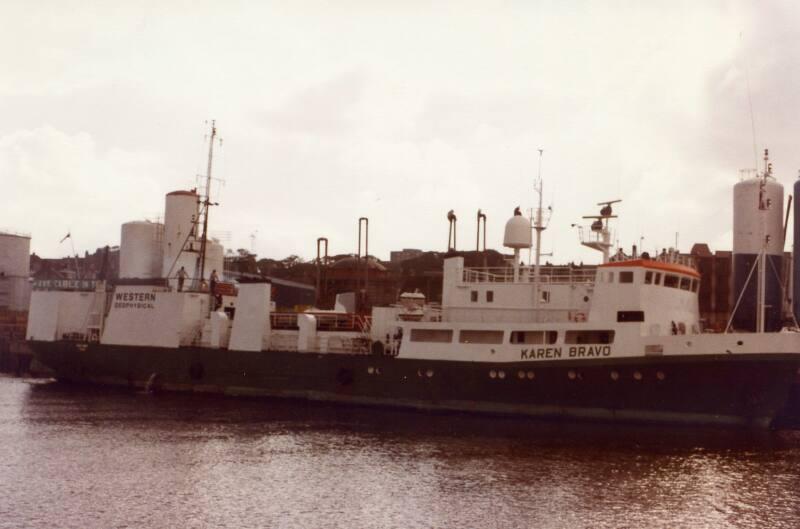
[518, 232]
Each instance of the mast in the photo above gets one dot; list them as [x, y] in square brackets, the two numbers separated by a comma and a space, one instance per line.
[207, 201]
[538, 225]
[761, 285]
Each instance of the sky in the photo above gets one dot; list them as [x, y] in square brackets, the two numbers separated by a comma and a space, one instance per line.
[395, 111]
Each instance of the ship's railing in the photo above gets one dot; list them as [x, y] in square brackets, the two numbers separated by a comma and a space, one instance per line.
[325, 321]
[676, 258]
[670, 256]
[547, 274]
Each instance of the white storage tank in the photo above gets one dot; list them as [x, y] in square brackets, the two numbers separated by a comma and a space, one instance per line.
[15, 255]
[140, 250]
[757, 213]
[215, 258]
[15, 264]
[180, 232]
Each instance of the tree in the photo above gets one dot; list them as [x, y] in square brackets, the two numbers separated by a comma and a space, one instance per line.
[291, 261]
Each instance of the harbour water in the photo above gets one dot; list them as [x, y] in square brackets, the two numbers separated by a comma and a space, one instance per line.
[95, 458]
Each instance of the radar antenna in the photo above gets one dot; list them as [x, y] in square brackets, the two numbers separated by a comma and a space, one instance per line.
[600, 239]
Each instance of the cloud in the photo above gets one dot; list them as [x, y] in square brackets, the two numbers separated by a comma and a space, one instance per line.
[57, 182]
[327, 107]
[400, 114]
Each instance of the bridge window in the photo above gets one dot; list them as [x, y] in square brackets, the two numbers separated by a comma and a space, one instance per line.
[480, 337]
[671, 281]
[587, 337]
[534, 337]
[695, 285]
[626, 277]
[432, 335]
[658, 279]
[489, 296]
[473, 296]
[630, 315]
[648, 278]
[686, 283]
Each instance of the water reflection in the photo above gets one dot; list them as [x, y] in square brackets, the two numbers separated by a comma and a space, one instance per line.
[99, 458]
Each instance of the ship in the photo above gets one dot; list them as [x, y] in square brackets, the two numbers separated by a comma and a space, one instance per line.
[620, 341]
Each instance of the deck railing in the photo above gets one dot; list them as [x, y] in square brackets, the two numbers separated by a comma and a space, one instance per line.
[547, 274]
[325, 321]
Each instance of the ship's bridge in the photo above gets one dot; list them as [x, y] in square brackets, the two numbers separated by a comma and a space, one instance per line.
[659, 295]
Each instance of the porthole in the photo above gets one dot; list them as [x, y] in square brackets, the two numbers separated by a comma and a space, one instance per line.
[377, 370]
[614, 376]
[429, 373]
[572, 375]
[740, 342]
[419, 372]
[370, 370]
[531, 375]
[637, 375]
[521, 374]
[501, 374]
[492, 374]
[660, 375]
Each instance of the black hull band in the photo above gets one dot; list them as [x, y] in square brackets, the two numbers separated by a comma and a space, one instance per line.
[742, 390]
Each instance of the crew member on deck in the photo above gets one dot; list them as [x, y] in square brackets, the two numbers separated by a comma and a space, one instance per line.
[213, 280]
[213, 284]
[182, 275]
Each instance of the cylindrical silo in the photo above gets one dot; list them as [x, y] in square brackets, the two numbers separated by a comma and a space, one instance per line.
[180, 233]
[15, 255]
[215, 258]
[140, 250]
[15, 264]
[757, 221]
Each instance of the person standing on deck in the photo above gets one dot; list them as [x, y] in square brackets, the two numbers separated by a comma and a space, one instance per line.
[182, 275]
[216, 300]
[213, 282]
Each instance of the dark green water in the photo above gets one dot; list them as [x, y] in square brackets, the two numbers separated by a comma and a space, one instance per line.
[88, 458]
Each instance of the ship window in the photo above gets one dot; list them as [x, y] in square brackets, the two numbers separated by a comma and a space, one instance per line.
[480, 337]
[630, 315]
[626, 277]
[658, 279]
[473, 296]
[432, 335]
[671, 281]
[686, 283]
[544, 296]
[695, 285]
[648, 278]
[534, 337]
[489, 296]
[586, 337]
